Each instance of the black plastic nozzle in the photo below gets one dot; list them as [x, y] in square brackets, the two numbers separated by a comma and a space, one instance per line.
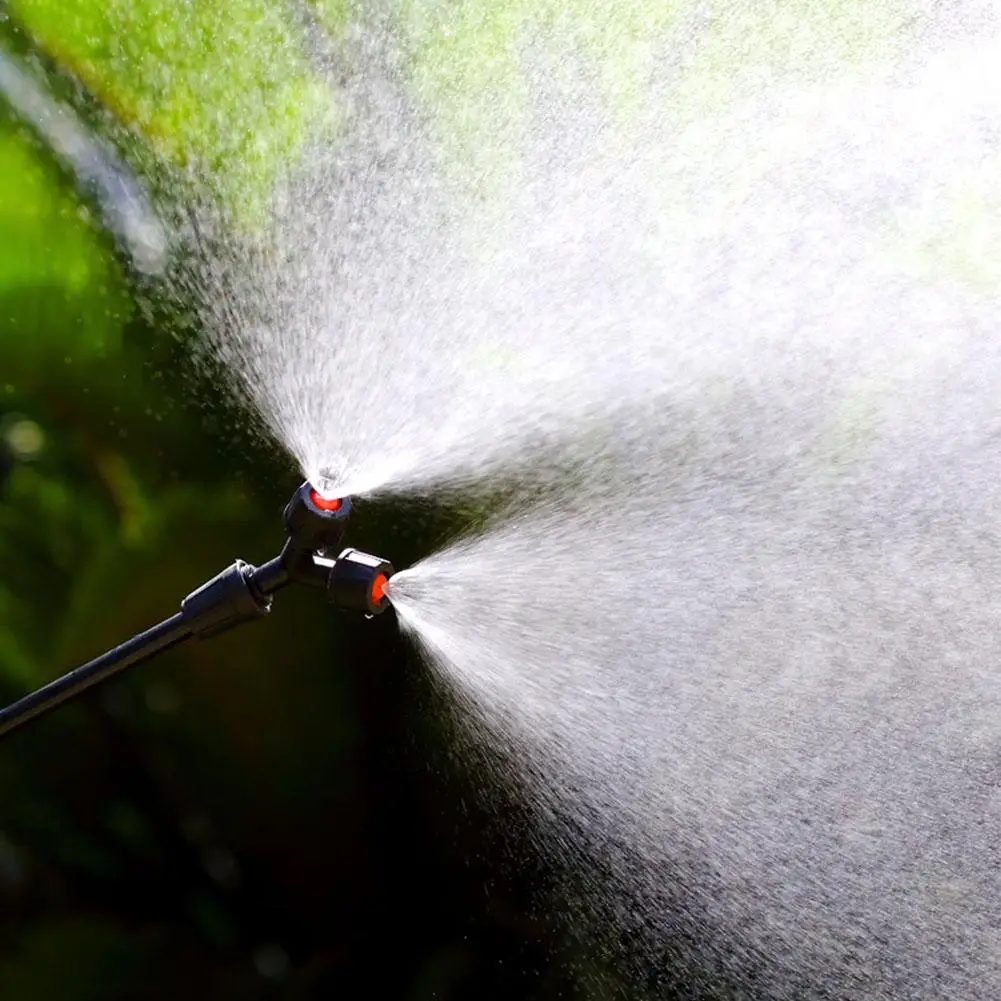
[315, 526]
[358, 581]
[316, 523]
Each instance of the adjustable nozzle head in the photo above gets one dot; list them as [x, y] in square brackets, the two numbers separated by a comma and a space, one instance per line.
[316, 527]
[316, 524]
[359, 581]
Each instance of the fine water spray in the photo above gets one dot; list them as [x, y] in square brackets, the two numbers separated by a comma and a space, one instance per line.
[312, 555]
[756, 318]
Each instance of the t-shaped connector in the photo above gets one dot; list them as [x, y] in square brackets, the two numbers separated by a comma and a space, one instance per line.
[312, 555]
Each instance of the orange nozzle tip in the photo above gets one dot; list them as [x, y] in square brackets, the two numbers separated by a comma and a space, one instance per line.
[324, 503]
[379, 586]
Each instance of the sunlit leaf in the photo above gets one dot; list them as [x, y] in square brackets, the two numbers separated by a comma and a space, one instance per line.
[220, 86]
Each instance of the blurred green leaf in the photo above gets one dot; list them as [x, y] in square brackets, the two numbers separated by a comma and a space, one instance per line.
[219, 86]
[333, 14]
[471, 61]
[62, 298]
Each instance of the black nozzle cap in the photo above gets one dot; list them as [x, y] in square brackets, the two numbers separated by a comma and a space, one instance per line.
[358, 580]
[314, 523]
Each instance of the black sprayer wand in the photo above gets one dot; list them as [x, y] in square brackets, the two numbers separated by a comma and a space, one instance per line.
[315, 527]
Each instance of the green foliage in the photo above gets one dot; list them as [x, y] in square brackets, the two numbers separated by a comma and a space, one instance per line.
[220, 86]
[66, 301]
[471, 60]
[333, 15]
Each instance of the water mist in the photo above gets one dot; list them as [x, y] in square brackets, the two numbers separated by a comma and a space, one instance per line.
[738, 628]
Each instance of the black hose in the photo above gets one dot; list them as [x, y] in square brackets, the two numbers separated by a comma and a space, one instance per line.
[143, 645]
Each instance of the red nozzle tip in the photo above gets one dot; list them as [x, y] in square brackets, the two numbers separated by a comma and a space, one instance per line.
[324, 503]
[379, 589]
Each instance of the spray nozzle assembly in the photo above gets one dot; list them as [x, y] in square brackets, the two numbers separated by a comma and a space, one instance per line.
[315, 526]
[312, 554]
